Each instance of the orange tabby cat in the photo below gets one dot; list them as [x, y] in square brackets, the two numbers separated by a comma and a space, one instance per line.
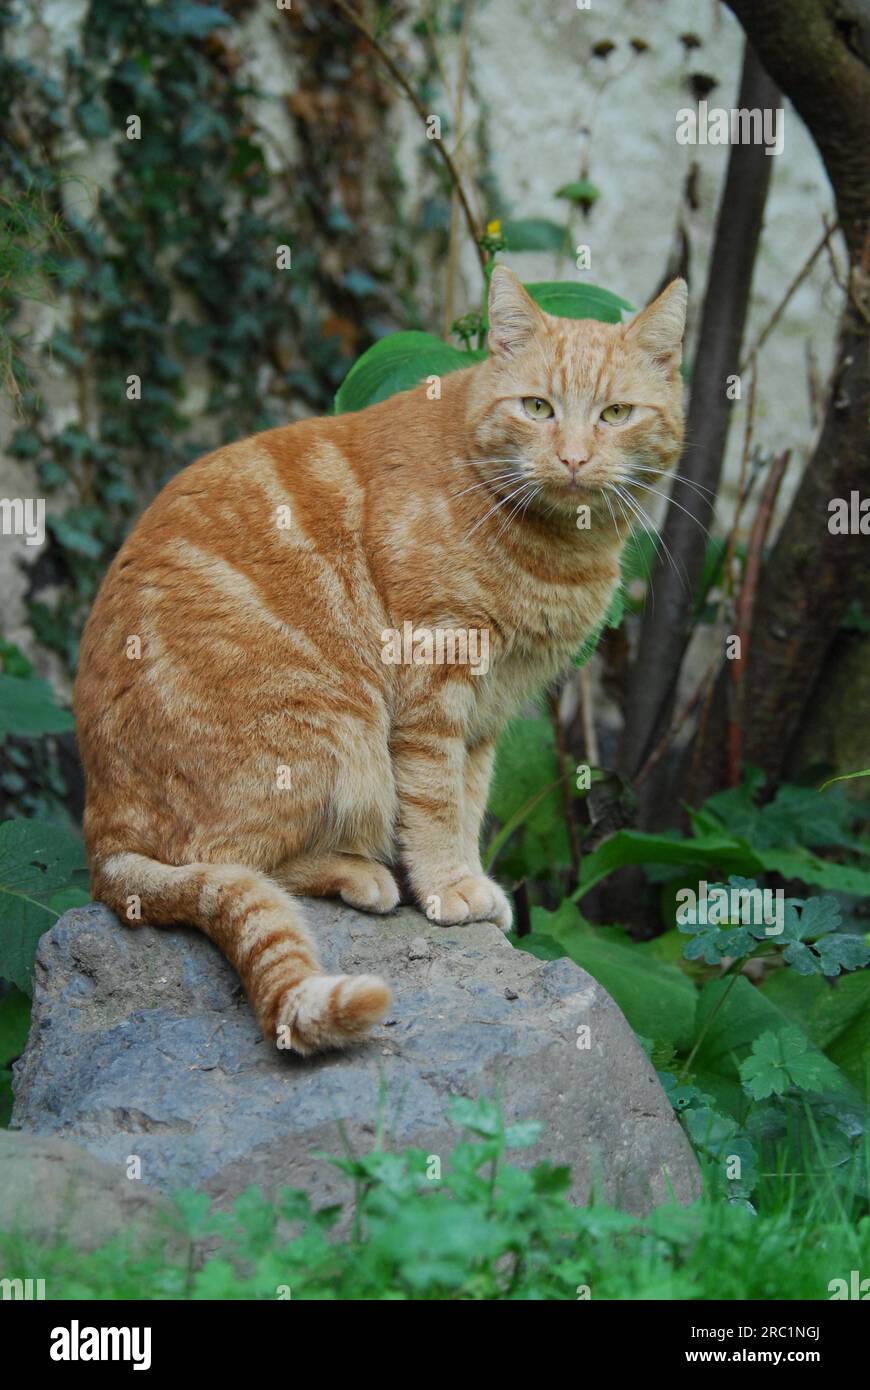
[296, 670]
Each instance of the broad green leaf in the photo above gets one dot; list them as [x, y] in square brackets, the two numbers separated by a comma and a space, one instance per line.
[6, 1097]
[36, 862]
[731, 1014]
[567, 299]
[402, 360]
[396, 363]
[14, 1025]
[819, 916]
[580, 191]
[840, 951]
[538, 944]
[797, 817]
[709, 1129]
[850, 1050]
[636, 847]
[781, 1061]
[657, 999]
[526, 789]
[533, 234]
[28, 707]
[710, 576]
[715, 852]
[835, 1016]
[810, 868]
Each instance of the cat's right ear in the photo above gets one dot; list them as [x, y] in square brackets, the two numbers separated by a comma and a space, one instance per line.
[514, 317]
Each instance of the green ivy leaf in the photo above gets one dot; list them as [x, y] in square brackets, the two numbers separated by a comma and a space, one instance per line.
[185, 19]
[28, 708]
[780, 1061]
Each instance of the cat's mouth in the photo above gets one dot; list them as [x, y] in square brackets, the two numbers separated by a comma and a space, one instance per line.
[577, 486]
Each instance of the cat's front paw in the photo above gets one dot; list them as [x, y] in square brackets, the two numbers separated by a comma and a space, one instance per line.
[472, 899]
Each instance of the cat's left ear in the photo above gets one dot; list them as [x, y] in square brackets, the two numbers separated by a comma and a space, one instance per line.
[659, 328]
[514, 317]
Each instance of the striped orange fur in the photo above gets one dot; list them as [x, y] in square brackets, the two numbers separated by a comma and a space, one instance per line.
[249, 724]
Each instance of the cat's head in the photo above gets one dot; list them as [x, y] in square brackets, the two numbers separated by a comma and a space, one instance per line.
[576, 409]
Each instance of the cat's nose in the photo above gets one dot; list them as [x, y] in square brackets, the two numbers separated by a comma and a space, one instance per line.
[572, 462]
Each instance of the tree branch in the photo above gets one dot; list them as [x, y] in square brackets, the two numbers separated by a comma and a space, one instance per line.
[444, 154]
[667, 625]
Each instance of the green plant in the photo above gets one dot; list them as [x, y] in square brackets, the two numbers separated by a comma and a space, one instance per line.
[402, 360]
[42, 875]
[473, 1227]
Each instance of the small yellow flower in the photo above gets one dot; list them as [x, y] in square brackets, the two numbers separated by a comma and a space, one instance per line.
[494, 228]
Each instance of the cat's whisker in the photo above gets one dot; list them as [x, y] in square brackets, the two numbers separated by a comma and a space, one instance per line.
[628, 523]
[521, 494]
[646, 522]
[487, 482]
[705, 493]
[667, 473]
[658, 539]
[523, 502]
[672, 502]
[610, 509]
[611, 487]
[493, 510]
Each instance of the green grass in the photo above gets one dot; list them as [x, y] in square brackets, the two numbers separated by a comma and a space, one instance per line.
[486, 1229]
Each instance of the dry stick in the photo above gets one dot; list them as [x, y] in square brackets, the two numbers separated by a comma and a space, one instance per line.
[857, 275]
[704, 690]
[746, 604]
[727, 568]
[458, 105]
[679, 720]
[742, 493]
[783, 303]
[398, 76]
[707, 684]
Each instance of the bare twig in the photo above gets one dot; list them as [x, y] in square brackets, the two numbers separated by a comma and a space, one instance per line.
[458, 104]
[664, 743]
[786, 298]
[444, 154]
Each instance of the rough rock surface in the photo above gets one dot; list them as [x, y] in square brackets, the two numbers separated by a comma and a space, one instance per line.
[142, 1044]
[52, 1190]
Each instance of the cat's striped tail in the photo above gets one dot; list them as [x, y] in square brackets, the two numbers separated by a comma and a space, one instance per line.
[258, 927]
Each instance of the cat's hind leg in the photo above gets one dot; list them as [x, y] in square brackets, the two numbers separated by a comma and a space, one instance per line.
[258, 927]
[360, 882]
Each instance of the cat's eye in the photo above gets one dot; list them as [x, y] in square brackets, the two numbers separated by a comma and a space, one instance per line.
[616, 414]
[538, 408]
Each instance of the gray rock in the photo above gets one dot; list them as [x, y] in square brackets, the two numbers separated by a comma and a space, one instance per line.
[142, 1045]
[53, 1190]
